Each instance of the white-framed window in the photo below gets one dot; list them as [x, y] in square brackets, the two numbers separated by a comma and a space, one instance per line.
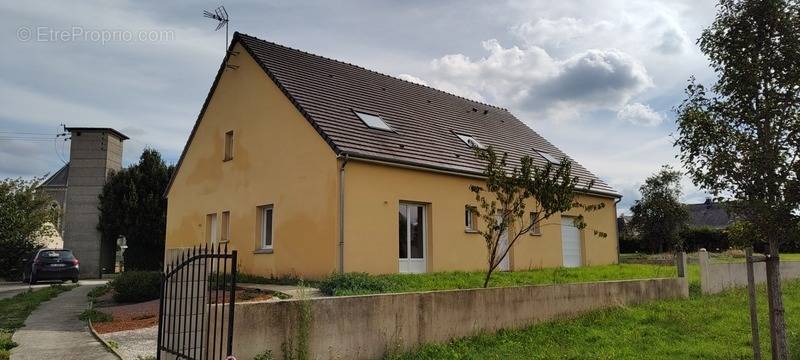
[225, 235]
[212, 232]
[470, 219]
[470, 141]
[228, 146]
[373, 121]
[266, 230]
[550, 158]
[536, 229]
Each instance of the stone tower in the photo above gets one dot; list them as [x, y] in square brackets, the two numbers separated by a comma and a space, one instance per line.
[94, 153]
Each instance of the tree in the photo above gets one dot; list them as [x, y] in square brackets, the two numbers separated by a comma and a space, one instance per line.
[739, 139]
[551, 189]
[24, 211]
[132, 205]
[659, 216]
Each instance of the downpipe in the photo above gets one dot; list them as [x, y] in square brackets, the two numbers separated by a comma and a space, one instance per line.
[343, 159]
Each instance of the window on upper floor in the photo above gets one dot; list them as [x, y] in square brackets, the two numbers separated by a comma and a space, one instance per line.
[470, 141]
[228, 146]
[550, 158]
[373, 121]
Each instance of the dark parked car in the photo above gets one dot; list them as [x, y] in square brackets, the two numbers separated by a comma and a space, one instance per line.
[51, 264]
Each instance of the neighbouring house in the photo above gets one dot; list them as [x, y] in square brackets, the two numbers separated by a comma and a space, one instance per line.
[93, 154]
[308, 165]
[709, 214]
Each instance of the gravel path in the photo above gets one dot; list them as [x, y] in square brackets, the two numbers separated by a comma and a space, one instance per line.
[135, 344]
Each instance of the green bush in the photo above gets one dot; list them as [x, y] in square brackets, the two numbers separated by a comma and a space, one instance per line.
[137, 286]
[264, 355]
[98, 292]
[352, 284]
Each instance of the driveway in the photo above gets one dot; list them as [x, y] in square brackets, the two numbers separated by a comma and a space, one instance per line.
[53, 331]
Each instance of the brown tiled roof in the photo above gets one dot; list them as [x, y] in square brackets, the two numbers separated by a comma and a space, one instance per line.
[424, 120]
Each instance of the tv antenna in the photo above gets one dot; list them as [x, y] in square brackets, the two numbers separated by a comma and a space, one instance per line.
[221, 15]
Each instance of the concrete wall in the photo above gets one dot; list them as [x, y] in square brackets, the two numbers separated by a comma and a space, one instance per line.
[715, 278]
[367, 327]
[93, 154]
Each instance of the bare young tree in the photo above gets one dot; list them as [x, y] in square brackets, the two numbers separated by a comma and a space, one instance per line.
[502, 203]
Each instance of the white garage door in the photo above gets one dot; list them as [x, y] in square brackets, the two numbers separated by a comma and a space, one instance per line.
[570, 242]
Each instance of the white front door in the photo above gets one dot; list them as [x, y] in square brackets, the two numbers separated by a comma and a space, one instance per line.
[570, 242]
[502, 245]
[412, 238]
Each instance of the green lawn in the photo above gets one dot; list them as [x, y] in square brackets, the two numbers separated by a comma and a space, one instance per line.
[14, 311]
[356, 284]
[703, 327]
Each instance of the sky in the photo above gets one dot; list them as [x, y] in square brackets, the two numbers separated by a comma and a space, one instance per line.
[598, 79]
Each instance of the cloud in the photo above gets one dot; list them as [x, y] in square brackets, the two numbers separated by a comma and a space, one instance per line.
[412, 78]
[529, 78]
[597, 79]
[639, 114]
[557, 32]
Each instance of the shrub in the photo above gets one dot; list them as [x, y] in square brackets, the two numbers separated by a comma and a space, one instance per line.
[264, 355]
[137, 286]
[98, 292]
[352, 284]
[705, 237]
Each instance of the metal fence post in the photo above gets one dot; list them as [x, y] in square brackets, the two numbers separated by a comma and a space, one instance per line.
[751, 289]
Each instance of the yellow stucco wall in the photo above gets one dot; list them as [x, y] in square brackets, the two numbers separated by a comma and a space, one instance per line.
[374, 192]
[278, 159]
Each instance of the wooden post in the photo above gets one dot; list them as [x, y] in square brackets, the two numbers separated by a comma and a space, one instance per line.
[751, 288]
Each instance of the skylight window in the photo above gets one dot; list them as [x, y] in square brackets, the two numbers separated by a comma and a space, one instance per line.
[550, 158]
[373, 121]
[470, 141]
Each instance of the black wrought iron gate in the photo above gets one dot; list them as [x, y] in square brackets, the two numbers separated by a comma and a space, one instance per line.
[196, 310]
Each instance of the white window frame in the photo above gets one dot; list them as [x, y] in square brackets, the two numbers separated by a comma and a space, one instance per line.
[373, 121]
[228, 146]
[262, 231]
[549, 157]
[470, 141]
[537, 228]
[469, 214]
[212, 229]
[225, 227]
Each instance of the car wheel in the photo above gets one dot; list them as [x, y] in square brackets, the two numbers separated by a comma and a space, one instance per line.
[75, 280]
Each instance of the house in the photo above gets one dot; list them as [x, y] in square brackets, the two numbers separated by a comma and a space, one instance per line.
[308, 165]
[709, 214]
[93, 154]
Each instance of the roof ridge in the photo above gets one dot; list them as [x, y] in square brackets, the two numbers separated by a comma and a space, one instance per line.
[375, 72]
